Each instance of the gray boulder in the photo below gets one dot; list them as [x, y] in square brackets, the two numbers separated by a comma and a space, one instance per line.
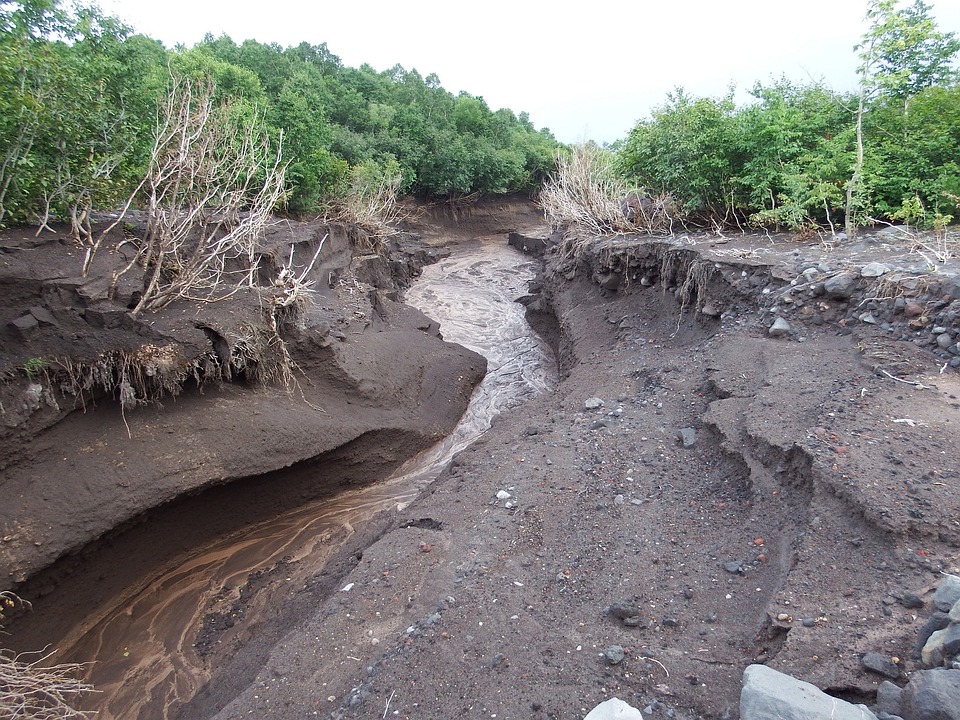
[947, 594]
[771, 695]
[840, 286]
[932, 695]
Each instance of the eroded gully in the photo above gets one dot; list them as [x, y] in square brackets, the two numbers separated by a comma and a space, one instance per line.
[145, 642]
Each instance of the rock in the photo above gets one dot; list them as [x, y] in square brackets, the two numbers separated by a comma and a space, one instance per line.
[911, 600]
[868, 318]
[840, 286]
[614, 709]
[503, 495]
[874, 269]
[932, 695]
[626, 611]
[687, 437]
[593, 403]
[779, 328]
[733, 566]
[710, 310]
[880, 664]
[912, 309]
[771, 695]
[937, 621]
[25, 325]
[614, 654]
[944, 341]
[947, 594]
[954, 614]
[889, 698]
[932, 653]
[943, 644]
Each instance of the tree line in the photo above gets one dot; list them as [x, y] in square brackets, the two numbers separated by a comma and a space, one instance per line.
[803, 156]
[80, 95]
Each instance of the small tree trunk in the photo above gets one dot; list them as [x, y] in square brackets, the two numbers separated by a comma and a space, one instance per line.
[852, 185]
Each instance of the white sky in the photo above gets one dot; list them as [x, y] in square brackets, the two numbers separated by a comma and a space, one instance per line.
[587, 69]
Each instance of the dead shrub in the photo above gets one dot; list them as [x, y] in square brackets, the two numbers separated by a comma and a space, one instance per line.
[587, 196]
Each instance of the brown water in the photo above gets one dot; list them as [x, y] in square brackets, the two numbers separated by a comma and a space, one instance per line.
[146, 664]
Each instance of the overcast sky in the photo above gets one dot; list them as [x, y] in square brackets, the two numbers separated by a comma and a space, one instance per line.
[587, 69]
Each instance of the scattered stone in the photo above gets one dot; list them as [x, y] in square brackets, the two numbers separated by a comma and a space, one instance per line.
[598, 424]
[627, 612]
[944, 341]
[937, 621]
[912, 309]
[911, 600]
[710, 310]
[425, 547]
[954, 614]
[687, 436]
[780, 328]
[503, 495]
[932, 695]
[532, 430]
[868, 318]
[771, 695]
[880, 664]
[840, 286]
[874, 269]
[735, 567]
[618, 500]
[947, 594]
[889, 697]
[809, 622]
[593, 403]
[614, 654]
[614, 709]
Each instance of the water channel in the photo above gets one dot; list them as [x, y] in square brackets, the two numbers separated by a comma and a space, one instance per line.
[143, 642]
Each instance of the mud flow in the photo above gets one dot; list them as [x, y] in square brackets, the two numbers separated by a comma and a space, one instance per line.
[154, 645]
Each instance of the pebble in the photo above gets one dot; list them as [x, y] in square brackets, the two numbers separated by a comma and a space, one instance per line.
[687, 436]
[503, 495]
[734, 566]
[880, 664]
[874, 269]
[593, 403]
[614, 654]
[911, 600]
[780, 328]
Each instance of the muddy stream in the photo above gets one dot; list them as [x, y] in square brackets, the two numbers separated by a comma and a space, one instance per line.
[143, 641]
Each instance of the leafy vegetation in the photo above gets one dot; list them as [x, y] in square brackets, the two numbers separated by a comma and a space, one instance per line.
[805, 156]
[80, 95]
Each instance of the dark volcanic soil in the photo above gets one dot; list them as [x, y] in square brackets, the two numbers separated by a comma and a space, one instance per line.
[815, 485]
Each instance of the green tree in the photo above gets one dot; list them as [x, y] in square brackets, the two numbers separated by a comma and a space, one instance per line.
[901, 53]
[690, 148]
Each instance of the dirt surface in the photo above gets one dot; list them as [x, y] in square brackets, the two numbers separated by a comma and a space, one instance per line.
[698, 495]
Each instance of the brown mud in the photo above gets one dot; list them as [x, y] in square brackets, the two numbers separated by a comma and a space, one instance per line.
[816, 485]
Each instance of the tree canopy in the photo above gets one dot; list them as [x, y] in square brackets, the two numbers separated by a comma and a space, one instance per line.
[80, 92]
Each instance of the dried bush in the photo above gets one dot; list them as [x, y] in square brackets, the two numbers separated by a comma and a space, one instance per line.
[587, 194]
[212, 186]
[29, 690]
[371, 201]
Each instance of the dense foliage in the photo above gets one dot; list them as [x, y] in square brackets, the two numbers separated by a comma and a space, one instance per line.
[79, 95]
[802, 155]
